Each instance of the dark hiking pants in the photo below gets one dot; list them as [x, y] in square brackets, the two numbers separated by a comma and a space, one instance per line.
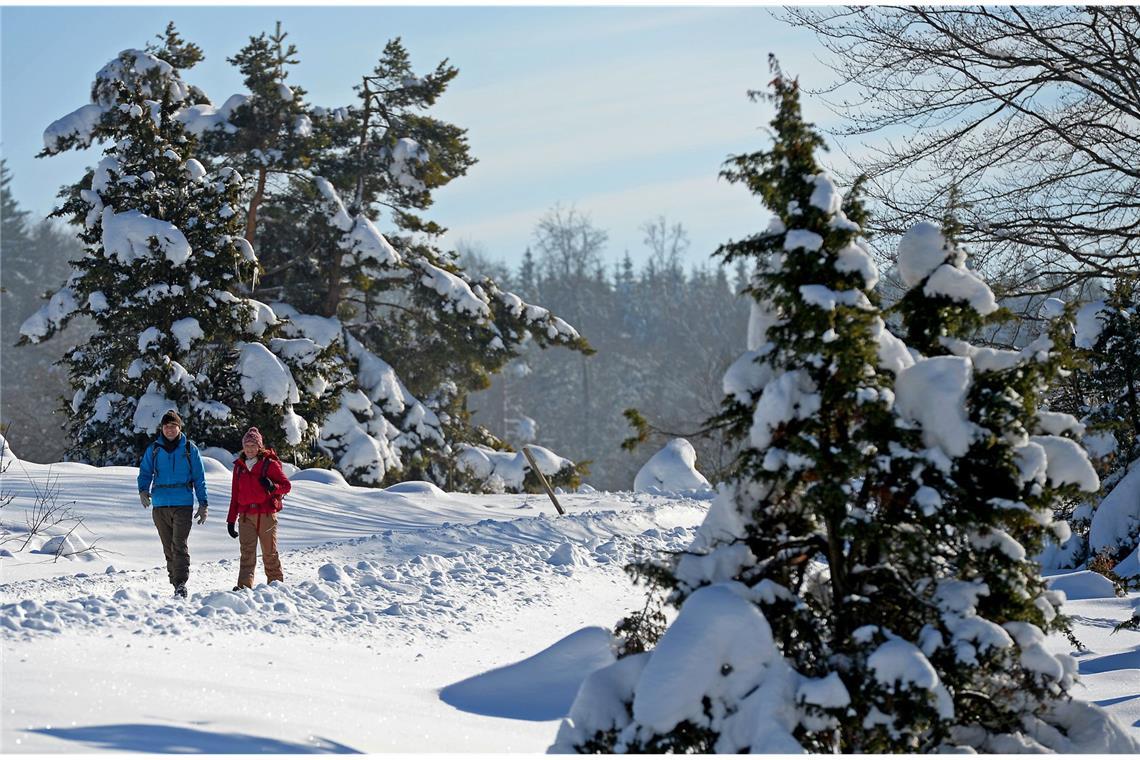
[173, 525]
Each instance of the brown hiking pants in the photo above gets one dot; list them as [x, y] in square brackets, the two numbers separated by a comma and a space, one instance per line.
[173, 525]
[252, 530]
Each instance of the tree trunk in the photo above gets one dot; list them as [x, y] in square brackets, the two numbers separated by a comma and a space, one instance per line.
[332, 296]
[586, 406]
[254, 204]
[1133, 411]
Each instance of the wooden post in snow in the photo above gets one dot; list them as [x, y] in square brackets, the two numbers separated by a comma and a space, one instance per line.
[542, 479]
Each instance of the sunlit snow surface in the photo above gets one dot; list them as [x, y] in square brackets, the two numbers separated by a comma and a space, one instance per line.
[411, 620]
[390, 597]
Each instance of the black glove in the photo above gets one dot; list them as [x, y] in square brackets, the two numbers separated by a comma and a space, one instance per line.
[233, 531]
[268, 484]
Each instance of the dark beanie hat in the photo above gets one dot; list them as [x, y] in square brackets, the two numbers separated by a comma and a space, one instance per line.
[172, 416]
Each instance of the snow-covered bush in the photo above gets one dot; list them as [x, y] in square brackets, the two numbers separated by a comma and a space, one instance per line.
[672, 469]
[493, 470]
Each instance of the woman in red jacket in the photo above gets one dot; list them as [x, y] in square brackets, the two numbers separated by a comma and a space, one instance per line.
[255, 499]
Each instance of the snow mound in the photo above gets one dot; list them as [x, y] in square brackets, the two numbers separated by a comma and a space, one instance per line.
[673, 468]
[1083, 585]
[417, 488]
[6, 452]
[225, 600]
[1116, 521]
[1129, 566]
[568, 555]
[212, 466]
[541, 687]
[218, 454]
[319, 475]
[69, 546]
[332, 573]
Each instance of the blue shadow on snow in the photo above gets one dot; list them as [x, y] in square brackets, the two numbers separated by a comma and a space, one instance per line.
[541, 687]
[1117, 661]
[1115, 700]
[142, 737]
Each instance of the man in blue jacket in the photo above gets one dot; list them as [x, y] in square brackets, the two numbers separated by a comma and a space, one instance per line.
[173, 467]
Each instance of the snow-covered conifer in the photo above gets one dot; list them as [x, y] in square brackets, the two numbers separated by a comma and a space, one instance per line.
[991, 465]
[875, 544]
[164, 257]
[809, 404]
[1108, 334]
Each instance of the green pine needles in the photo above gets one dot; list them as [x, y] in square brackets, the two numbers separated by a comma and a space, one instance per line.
[865, 582]
[254, 285]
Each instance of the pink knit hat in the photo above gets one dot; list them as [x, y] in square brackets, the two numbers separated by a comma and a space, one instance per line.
[253, 435]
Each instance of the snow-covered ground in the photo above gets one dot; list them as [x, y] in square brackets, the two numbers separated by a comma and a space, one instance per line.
[398, 611]
[410, 620]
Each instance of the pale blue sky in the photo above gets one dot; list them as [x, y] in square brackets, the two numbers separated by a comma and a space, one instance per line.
[625, 113]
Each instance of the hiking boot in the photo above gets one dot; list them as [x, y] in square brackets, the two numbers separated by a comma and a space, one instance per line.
[180, 590]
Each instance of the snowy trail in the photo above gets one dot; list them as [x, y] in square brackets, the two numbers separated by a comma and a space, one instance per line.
[399, 583]
[390, 597]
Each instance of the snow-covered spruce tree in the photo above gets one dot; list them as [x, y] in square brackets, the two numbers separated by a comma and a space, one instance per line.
[856, 587]
[991, 466]
[163, 254]
[809, 406]
[445, 331]
[1108, 335]
[416, 334]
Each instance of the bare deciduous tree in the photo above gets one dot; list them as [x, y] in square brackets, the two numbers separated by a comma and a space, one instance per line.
[568, 244]
[667, 246]
[1032, 113]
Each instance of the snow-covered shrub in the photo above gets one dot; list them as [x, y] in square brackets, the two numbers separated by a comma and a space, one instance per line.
[672, 469]
[491, 470]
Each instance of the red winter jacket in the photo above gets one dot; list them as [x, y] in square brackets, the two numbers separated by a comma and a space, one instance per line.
[248, 495]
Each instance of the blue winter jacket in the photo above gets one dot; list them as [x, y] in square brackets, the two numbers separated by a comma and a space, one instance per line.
[172, 477]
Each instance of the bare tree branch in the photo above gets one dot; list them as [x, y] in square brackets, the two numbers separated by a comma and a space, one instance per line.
[1032, 113]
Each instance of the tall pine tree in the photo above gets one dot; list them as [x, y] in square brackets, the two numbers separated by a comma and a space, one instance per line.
[864, 583]
[414, 334]
[164, 257]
